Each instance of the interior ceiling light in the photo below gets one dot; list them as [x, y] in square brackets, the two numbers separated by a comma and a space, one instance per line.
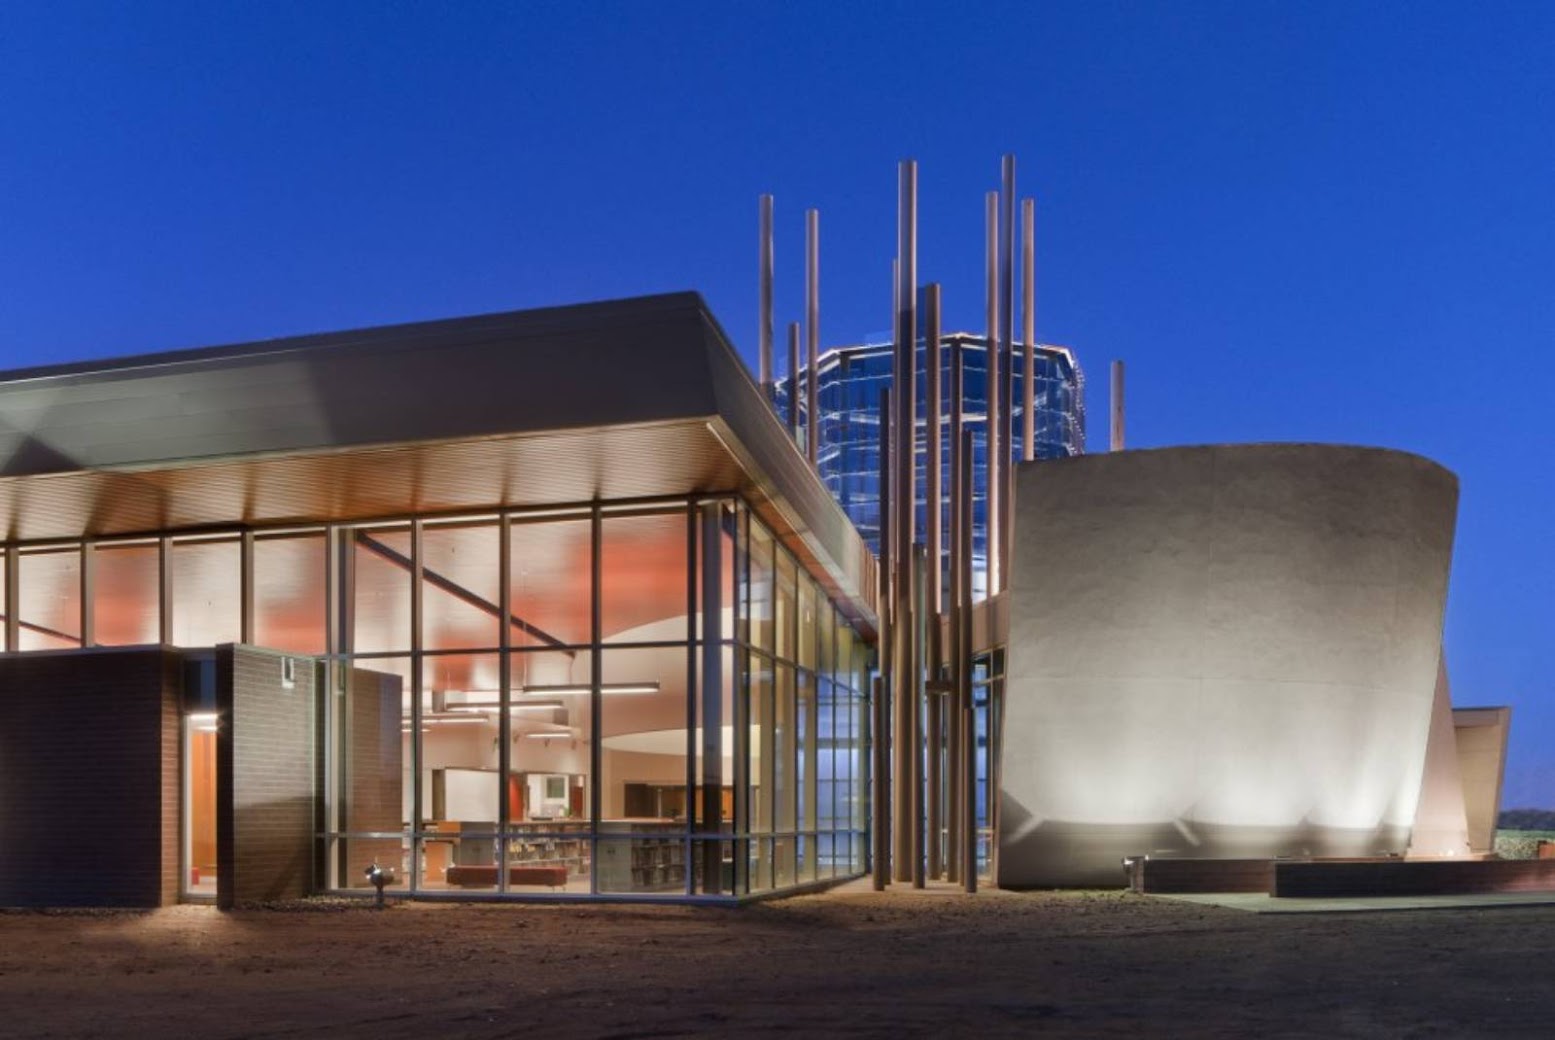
[492, 707]
[203, 721]
[625, 687]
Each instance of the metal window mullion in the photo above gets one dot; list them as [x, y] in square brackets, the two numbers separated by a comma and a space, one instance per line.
[504, 696]
[415, 705]
[165, 590]
[88, 591]
[13, 566]
[741, 681]
[339, 591]
[694, 690]
[596, 705]
[246, 588]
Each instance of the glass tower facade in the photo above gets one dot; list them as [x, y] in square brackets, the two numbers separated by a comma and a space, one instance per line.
[850, 382]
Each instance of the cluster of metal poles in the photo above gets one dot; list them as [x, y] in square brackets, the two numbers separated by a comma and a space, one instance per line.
[810, 392]
[928, 650]
[924, 731]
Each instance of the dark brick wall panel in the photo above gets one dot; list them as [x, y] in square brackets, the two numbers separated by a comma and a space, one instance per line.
[1413, 878]
[89, 780]
[266, 777]
[1180, 876]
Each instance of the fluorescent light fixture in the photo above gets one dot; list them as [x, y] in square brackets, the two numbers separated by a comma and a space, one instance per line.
[625, 687]
[493, 708]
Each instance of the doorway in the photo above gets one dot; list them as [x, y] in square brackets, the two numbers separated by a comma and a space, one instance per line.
[199, 838]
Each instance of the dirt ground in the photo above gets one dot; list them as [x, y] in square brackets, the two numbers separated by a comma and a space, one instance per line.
[845, 963]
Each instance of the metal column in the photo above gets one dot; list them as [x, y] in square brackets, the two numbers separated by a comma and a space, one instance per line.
[992, 382]
[793, 380]
[968, 724]
[907, 759]
[1028, 309]
[918, 619]
[884, 777]
[764, 301]
[1007, 390]
[959, 566]
[1115, 442]
[812, 333]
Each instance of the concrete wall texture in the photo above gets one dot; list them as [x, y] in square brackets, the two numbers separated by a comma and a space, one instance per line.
[1222, 651]
[89, 757]
[1481, 741]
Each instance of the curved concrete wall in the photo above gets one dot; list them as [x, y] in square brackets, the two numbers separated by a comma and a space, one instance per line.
[1219, 651]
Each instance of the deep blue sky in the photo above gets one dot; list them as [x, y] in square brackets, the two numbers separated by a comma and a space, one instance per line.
[1314, 221]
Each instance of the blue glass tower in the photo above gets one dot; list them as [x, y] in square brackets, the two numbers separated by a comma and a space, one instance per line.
[848, 454]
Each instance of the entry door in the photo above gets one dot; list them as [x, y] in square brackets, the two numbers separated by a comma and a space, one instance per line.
[199, 815]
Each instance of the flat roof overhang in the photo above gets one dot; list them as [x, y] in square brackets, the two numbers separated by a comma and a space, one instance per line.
[618, 400]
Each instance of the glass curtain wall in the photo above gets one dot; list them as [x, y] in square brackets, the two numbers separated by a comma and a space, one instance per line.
[644, 700]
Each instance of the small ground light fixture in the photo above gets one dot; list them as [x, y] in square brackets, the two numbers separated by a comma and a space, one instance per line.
[379, 877]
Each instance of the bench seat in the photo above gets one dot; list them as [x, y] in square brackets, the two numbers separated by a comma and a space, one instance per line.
[483, 875]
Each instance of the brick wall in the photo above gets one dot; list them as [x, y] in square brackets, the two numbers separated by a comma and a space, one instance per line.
[265, 777]
[89, 779]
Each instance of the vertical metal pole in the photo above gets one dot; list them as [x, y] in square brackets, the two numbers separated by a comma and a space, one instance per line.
[880, 759]
[1007, 350]
[1028, 308]
[885, 778]
[960, 566]
[764, 293]
[794, 386]
[918, 619]
[813, 332]
[933, 494]
[933, 491]
[935, 825]
[994, 471]
[1116, 440]
[968, 756]
[905, 496]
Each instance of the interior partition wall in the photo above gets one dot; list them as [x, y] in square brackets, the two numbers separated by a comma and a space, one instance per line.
[640, 699]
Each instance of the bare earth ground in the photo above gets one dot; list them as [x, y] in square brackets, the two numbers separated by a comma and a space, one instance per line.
[847, 963]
